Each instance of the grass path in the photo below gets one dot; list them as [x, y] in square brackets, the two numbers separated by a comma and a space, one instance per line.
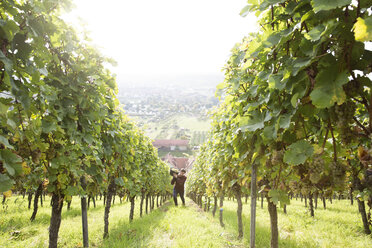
[173, 227]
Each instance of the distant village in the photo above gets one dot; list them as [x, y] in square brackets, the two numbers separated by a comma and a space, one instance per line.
[157, 109]
[155, 104]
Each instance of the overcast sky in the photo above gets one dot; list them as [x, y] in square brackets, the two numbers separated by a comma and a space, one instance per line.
[164, 37]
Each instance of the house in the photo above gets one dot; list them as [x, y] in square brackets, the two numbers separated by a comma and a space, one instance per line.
[179, 163]
[172, 145]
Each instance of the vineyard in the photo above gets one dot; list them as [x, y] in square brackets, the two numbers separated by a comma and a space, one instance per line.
[294, 123]
[62, 131]
[296, 112]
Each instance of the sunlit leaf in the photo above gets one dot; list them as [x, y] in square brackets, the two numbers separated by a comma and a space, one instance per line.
[363, 29]
[320, 5]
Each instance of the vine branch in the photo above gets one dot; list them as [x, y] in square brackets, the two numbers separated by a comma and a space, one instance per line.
[361, 126]
[333, 142]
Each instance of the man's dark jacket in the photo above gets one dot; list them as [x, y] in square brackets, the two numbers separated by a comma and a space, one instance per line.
[180, 183]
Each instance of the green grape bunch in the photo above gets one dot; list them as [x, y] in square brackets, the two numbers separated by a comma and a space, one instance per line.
[316, 169]
[343, 116]
[353, 88]
[36, 154]
[277, 157]
[269, 164]
[305, 189]
[344, 113]
[294, 186]
[338, 170]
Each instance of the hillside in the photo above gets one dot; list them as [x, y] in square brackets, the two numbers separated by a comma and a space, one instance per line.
[170, 108]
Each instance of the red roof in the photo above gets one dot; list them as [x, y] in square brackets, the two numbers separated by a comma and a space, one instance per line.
[168, 143]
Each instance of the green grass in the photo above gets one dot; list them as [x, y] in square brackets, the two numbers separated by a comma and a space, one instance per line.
[338, 226]
[181, 227]
[16, 218]
[181, 120]
[193, 123]
[166, 226]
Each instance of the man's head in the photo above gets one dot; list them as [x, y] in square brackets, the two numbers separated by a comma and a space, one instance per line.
[183, 171]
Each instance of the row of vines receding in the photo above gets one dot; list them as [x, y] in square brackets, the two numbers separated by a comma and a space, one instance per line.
[62, 131]
[296, 111]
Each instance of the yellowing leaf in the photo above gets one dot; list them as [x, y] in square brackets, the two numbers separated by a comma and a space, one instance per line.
[245, 180]
[363, 29]
[255, 155]
[361, 152]
[317, 149]
[8, 193]
[328, 88]
[25, 168]
[45, 182]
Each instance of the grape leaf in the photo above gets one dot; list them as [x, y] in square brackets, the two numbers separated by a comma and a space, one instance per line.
[7, 62]
[5, 142]
[277, 195]
[269, 132]
[246, 10]
[284, 121]
[3, 109]
[320, 5]
[48, 126]
[298, 152]
[328, 88]
[10, 161]
[254, 122]
[266, 3]
[275, 81]
[363, 29]
[315, 33]
[5, 183]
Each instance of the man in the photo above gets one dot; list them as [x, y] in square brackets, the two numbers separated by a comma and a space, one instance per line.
[179, 186]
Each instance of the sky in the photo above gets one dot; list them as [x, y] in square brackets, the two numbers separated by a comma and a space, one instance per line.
[164, 37]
